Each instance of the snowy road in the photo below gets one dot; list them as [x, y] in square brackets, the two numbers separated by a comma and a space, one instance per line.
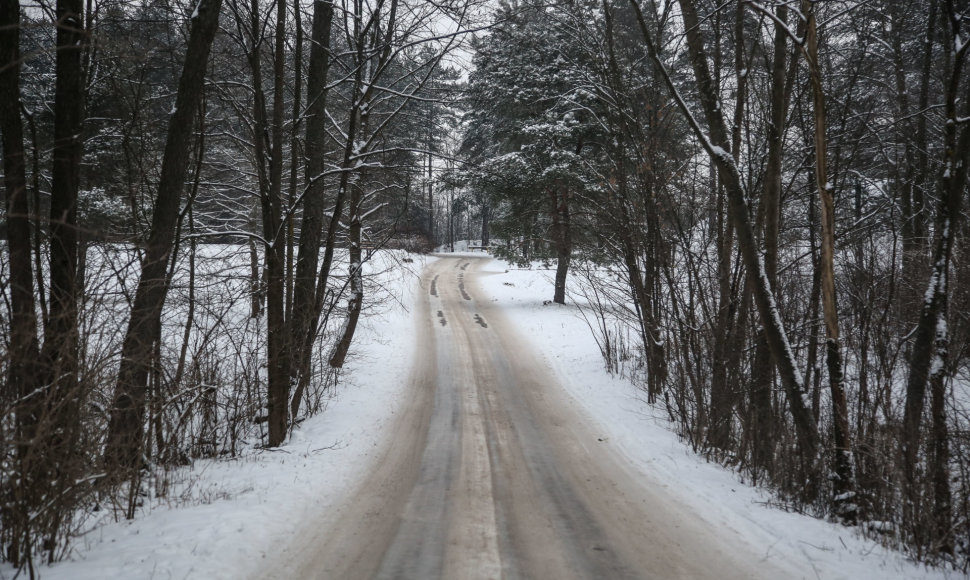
[491, 470]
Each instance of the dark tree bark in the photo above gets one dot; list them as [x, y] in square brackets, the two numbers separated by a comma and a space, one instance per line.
[630, 137]
[941, 514]
[23, 342]
[55, 446]
[356, 301]
[296, 158]
[126, 425]
[357, 126]
[485, 216]
[430, 175]
[59, 352]
[268, 132]
[355, 268]
[762, 424]
[930, 343]
[61, 327]
[23, 348]
[724, 393]
[914, 166]
[314, 202]
[273, 231]
[562, 240]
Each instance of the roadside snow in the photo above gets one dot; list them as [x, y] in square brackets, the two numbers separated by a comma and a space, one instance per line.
[224, 516]
[809, 547]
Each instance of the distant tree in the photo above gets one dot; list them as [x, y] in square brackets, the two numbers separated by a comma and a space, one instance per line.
[527, 94]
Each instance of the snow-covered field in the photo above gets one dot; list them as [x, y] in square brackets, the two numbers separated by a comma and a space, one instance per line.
[234, 514]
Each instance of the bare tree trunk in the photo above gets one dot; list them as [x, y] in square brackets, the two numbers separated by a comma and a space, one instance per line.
[451, 219]
[844, 481]
[190, 315]
[915, 163]
[430, 137]
[60, 329]
[641, 283]
[255, 282]
[314, 202]
[271, 199]
[355, 268]
[942, 517]
[295, 157]
[763, 419]
[56, 442]
[59, 355]
[23, 342]
[126, 425]
[562, 238]
[356, 300]
[722, 393]
[363, 82]
[485, 215]
[380, 51]
[656, 349]
[930, 343]
[23, 349]
[761, 432]
[36, 214]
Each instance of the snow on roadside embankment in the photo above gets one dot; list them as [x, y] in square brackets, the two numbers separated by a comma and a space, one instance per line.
[811, 548]
[224, 516]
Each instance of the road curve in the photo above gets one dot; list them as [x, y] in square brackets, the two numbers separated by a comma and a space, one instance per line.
[492, 472]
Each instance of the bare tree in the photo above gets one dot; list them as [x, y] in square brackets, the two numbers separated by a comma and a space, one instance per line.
[717, 146]
[126, 427]
[844, 484]
[23, 353]
[930, 344]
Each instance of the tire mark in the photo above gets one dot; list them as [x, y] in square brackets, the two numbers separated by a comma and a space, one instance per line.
[461, 286]
[434, 285]
[465, 265]
[441, 318]
[481, 321]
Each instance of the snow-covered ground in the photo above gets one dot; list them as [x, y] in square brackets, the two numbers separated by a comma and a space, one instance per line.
[232, 514]
[224, 516]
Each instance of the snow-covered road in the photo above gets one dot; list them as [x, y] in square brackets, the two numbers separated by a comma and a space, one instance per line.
[492, 471]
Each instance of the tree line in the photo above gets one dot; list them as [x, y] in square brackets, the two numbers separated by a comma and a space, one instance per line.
[766, 201]
[191, 193]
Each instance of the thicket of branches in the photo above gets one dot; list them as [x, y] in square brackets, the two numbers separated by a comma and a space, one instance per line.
[191, 192]
[769, 197]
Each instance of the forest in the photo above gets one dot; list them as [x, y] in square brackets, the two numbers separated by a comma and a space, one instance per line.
[763, 202]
